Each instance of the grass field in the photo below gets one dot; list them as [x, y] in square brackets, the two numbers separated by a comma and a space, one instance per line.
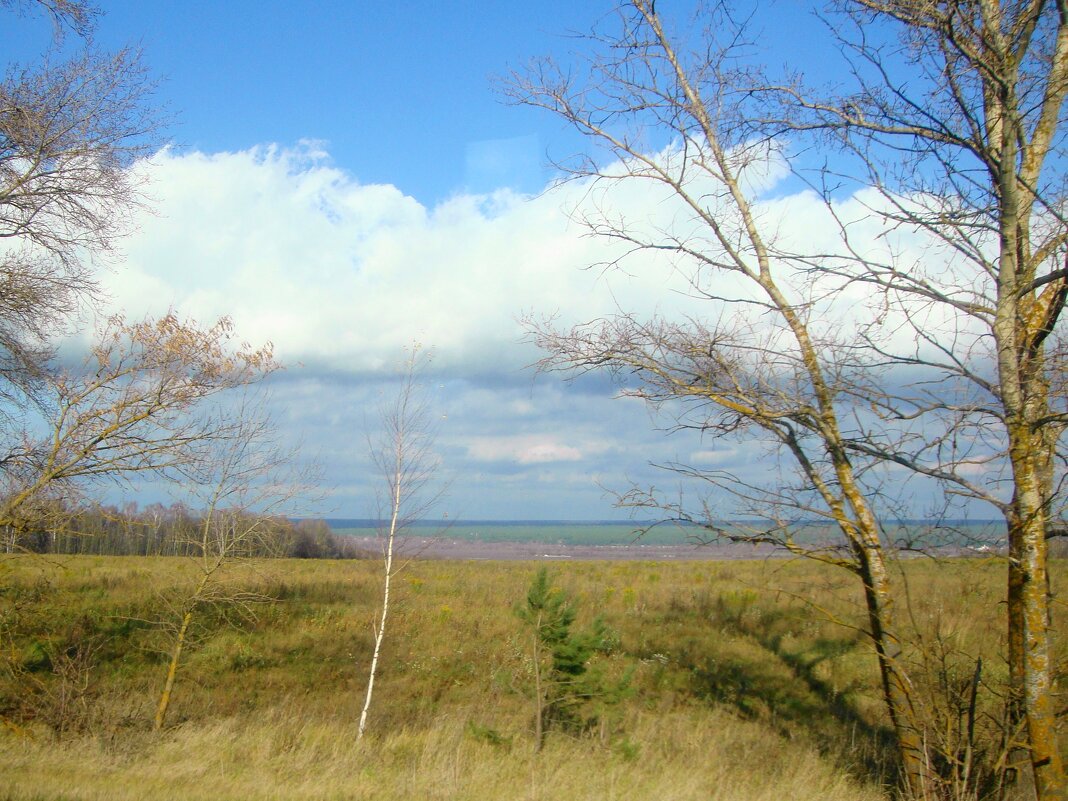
[742, 686]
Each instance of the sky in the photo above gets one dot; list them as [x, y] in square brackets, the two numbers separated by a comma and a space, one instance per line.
[345, 180]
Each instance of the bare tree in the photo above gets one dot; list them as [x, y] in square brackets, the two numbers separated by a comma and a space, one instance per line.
[403, 453]
[137, 406]
[78, 16]
[956, 128]
[244, 489]
[69, 131]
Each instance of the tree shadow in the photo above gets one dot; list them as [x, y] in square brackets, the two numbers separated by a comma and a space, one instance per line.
[763, 679]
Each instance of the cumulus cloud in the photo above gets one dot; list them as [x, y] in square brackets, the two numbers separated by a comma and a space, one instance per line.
[341, 276]
[344, 274]
[709, 457]
[531, 449]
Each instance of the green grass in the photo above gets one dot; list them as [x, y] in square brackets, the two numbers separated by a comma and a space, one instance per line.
[743, 688]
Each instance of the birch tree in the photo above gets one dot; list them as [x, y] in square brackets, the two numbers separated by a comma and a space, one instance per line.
[959, 130]
[951, 114]
[403, 454]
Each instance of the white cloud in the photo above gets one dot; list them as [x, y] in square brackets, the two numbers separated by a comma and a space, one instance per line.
[341, 273]
[341, 276]
[527, 450]
[344, 275]
[715, 457]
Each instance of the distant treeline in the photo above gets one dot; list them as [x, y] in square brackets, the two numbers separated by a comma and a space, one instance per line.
[175, 530]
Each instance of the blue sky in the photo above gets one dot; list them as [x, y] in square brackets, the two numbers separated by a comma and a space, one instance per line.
[403, 93]
[343, 179]
[399, 93]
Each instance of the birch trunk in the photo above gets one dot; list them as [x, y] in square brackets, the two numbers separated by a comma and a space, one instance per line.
[380, 629]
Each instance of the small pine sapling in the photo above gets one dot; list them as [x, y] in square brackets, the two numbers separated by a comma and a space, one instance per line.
[567, 692]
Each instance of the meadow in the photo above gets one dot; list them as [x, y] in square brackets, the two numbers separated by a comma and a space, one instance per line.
[746, 681]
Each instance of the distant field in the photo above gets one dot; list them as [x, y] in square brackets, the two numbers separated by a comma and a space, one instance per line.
[563, 532]
[951, 533]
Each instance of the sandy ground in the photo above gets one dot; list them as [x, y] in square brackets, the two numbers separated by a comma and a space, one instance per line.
[543, 551]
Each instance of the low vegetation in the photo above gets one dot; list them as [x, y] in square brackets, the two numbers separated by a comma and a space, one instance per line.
[734, 691]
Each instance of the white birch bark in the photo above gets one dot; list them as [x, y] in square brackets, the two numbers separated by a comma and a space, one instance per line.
[405, 460]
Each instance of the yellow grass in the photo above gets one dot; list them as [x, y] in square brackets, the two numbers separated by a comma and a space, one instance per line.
[280, 754]
[751, 681]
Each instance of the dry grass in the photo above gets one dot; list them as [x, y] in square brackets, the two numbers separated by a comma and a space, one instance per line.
[280, 754]
[741, 691]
